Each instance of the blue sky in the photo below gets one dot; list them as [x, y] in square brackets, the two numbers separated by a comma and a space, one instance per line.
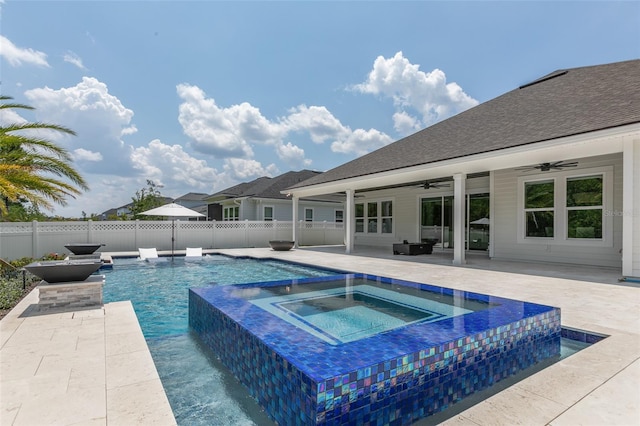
[198, 96]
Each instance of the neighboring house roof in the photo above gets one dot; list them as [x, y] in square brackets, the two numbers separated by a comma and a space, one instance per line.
[192, 196]
[563, 103]
[266, 187]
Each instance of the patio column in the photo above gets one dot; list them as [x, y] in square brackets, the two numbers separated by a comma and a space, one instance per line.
[350, 221]
[630, 205]
[294, 237]
[459, 181]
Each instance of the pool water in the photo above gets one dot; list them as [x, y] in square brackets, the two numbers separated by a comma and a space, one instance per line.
[200, 390]
[340, 315]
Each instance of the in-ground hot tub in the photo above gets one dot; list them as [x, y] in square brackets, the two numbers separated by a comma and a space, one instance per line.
[359, 348]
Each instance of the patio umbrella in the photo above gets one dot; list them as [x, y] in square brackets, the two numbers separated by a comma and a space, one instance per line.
[173, 211]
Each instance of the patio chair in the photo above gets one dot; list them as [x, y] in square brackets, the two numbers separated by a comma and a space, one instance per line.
[193, 253]
[150, 255]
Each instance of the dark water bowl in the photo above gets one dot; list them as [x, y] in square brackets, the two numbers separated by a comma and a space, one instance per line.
[280, 245]
[83, 248]
[59, 271]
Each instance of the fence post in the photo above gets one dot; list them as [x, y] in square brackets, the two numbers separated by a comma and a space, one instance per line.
[135, 233]
[34, 239]
[90, 231]
[246, 232]
[213, 233]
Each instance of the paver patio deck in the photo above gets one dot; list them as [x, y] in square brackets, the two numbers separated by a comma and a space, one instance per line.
[94, 367]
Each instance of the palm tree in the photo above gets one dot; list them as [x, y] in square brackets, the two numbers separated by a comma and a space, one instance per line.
[33, 169]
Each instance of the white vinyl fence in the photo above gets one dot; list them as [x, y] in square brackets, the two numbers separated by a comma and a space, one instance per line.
[36, 239]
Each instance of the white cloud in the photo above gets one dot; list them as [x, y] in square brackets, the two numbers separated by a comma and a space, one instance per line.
[82, 154]
[405, 123]
[241, 170]
[215, 130]
[98, 118]
[317, 120]
[292, 155]
[74, 59]
[428, 93]
[172, 166]
[18, 56]
[361, 142]
[232, 132]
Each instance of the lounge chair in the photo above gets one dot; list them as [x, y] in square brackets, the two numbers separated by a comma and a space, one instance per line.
[193, 253]
[150, 255]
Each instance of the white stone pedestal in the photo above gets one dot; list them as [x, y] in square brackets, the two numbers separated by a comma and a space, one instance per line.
[75, 294]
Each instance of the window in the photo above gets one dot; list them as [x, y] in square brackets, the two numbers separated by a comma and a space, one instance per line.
[267, 213]
[360, 217]
[339, 215]
[584, 207]
[386, 213]
[377, 215]
[308, 215]
[567, 208]
[539, 208]
[231, 213]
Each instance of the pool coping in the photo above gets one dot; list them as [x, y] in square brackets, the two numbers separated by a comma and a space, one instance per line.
[82, 366]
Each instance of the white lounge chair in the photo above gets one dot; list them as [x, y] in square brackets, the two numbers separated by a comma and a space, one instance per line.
[193, 253]
[149, 255]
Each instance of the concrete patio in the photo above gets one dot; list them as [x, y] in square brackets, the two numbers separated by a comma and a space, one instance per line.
[94, 367]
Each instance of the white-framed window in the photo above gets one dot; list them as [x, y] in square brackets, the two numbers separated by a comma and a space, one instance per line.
[308, 214]
[339, 216]
[267, 213]
[567, 207]
[539, 208]
[374, 217]
[231, 213]
[585, 208]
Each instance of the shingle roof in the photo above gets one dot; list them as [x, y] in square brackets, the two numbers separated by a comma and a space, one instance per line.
[192, 196]
[562, 103]
[266, 187]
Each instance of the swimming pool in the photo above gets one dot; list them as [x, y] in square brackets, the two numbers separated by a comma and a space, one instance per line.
[440, 346]
[200, 390]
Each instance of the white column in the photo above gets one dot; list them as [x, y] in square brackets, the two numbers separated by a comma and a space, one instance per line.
[294, 221]
[629, 154]
[350, 220]
[459, 180]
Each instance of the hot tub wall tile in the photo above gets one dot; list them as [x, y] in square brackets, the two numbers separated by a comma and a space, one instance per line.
[395, 390]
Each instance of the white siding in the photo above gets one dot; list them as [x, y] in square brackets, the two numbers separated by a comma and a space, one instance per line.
[636, 210]
[505, 223]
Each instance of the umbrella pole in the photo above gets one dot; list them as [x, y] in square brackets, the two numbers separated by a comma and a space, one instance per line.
[173, 223]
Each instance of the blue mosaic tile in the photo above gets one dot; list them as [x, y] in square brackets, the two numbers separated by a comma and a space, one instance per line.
[395, 377]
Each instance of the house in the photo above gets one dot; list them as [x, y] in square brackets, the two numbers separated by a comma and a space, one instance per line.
[265, 199]
[194, 201]
[548, 172]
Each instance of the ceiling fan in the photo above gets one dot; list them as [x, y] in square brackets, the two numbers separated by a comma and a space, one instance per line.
[545, 167]
[433, 184]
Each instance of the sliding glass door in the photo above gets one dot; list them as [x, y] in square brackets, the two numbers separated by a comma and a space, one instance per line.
[436, 221]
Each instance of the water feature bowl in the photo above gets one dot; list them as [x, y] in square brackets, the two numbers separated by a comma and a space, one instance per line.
[83, 248]
[280, 245]
[58, 271]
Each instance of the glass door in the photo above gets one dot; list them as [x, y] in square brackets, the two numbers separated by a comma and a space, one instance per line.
[478, 222]
[436, 221]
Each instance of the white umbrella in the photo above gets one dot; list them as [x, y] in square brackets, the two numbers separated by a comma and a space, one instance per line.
[483, 221]
[173, 211]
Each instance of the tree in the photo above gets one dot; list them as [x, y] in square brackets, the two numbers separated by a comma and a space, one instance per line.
[146, 199]
[33, 169]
